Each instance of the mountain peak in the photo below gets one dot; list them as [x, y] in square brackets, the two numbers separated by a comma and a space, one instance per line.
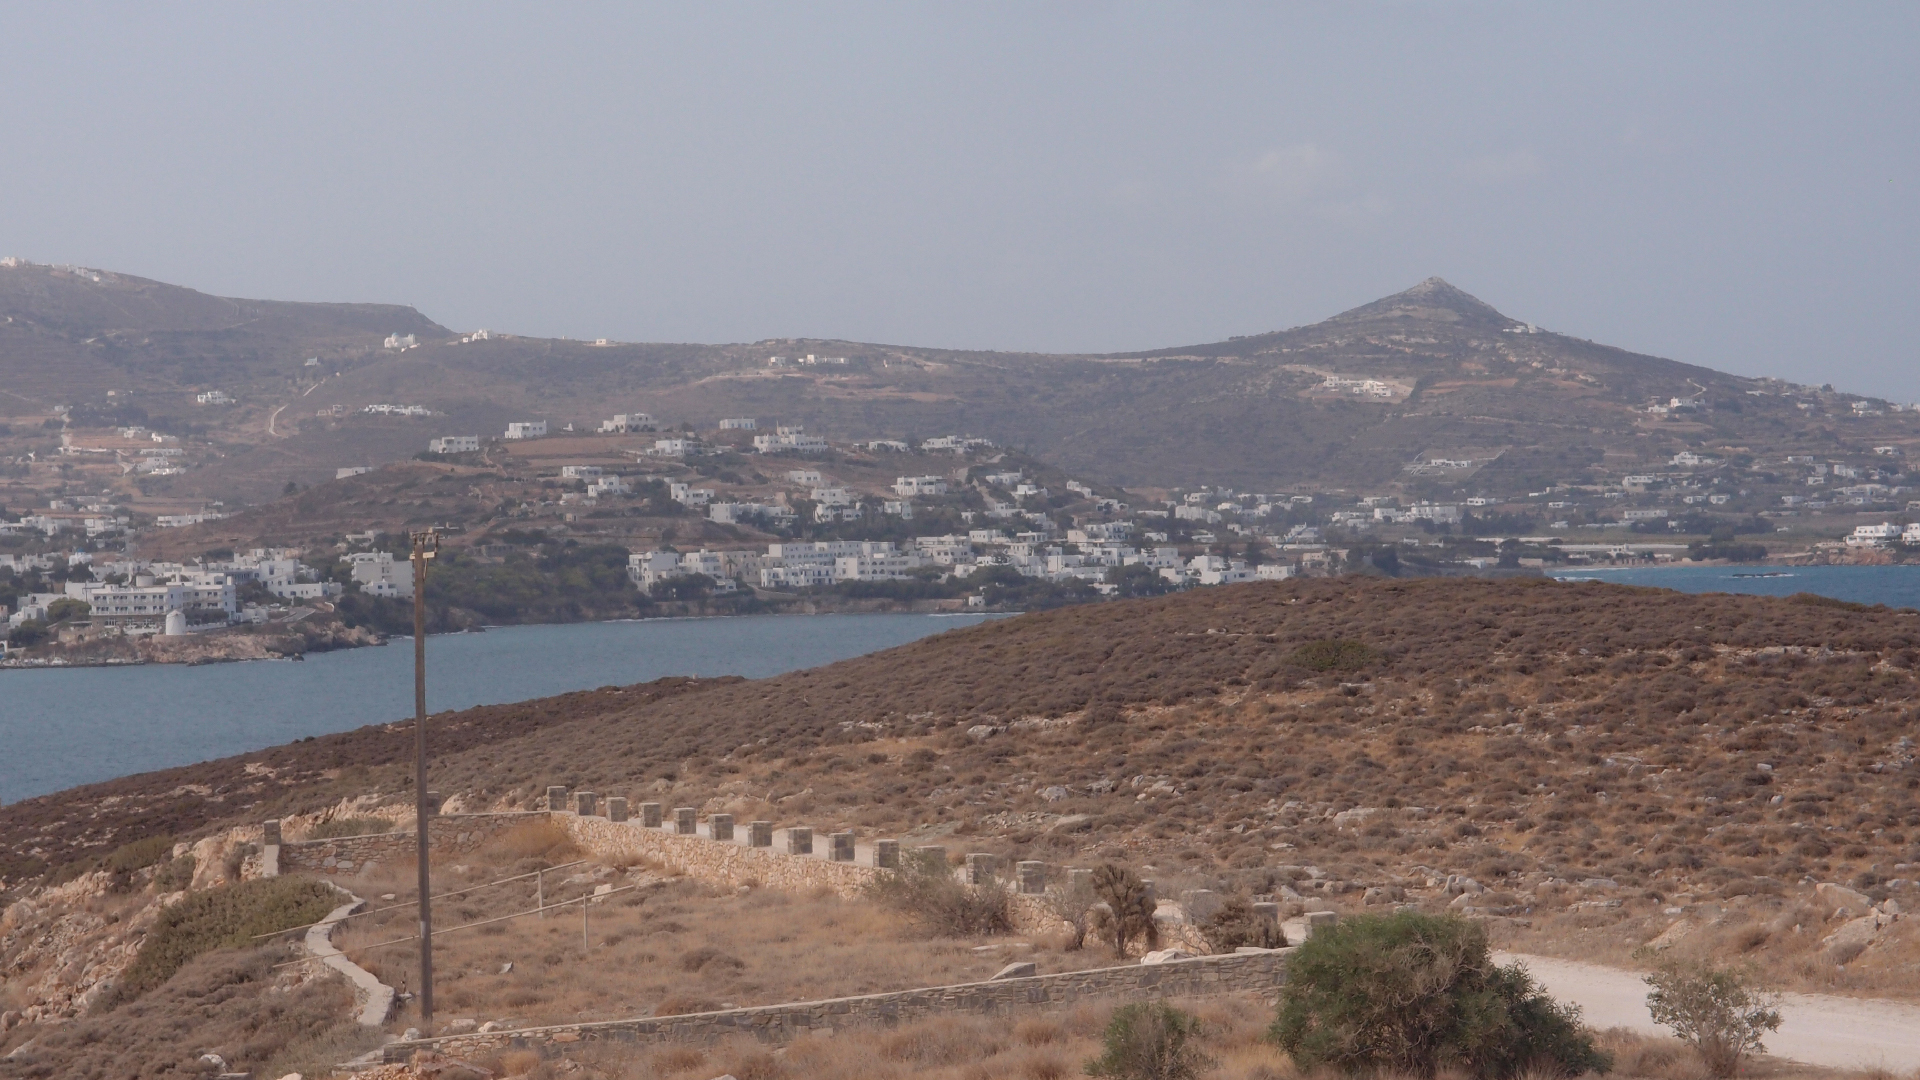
[1431, 300]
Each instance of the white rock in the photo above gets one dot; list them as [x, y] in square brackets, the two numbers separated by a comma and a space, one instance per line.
[1841, 896]
[1164, 956]
[1019, 969]
[213, 1063]
[1851, 939]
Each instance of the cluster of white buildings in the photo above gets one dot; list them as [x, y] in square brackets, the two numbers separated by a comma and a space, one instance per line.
[1361, 387]
[1885, 534]
[817, 563]
[789, 439]
[624, 423]
[397, 410]
[150, 594]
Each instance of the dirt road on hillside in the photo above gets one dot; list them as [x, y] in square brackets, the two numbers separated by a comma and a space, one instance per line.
[1819, 1029]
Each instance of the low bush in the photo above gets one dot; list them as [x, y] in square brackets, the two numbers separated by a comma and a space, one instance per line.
[228, 917]
[225, 1003]
[349, 826]
[175, 876]
[1236, 924]
[1413, 994]
[926, 892]
[1150, 1041]
[1720, 1012]
[1335, 654]
[139, 855]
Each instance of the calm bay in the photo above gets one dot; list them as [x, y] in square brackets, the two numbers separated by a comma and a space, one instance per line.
[62, 727]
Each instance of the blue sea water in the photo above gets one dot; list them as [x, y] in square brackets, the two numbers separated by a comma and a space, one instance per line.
[1894, 586]
[63, 727]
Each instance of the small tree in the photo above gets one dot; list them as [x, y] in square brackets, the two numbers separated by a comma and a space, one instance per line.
[1150, 1041]
[1721, 1012]
[1129, 907]
[1072, 903]
[1413, 994]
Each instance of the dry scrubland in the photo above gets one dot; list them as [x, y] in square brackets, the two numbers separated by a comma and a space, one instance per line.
[1050, 1047]
[1595, 756]
[1709, 749]
[665, 947]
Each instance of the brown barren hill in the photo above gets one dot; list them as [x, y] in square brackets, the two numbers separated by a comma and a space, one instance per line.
[1373, 726]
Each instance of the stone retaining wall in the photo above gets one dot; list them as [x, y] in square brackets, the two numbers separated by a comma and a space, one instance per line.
[735, 862]
[451, 834]
[1260, 973]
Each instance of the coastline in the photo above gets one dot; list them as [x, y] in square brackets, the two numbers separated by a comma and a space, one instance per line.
[219, 646]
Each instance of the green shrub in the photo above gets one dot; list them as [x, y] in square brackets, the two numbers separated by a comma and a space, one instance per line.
[1721, 1012]
[1150, 1041]
[1236, 924]
[1335, 654]
[1413, 994]
[350, 826]
[139, 855]
[175, 876]
[926, 892]
[227, 917]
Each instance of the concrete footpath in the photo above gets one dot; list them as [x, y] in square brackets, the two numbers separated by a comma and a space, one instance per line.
[1817, 1029]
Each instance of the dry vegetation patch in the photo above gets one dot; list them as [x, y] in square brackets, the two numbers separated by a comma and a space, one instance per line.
[669, 946]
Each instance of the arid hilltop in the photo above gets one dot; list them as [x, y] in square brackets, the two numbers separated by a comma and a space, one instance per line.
[1709, 744]
[1429, 375]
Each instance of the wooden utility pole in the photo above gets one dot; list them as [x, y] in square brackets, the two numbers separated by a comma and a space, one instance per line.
[425, 544]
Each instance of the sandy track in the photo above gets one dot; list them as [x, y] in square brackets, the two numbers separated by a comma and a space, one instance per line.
[1819, 1029]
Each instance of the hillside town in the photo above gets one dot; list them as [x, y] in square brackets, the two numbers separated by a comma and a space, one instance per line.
[789, 513]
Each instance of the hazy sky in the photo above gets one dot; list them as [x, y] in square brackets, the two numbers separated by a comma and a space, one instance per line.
[1731, 185]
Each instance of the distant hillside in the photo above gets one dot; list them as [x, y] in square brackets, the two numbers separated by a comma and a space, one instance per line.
[1356, 402]
[1670, 742]
[69, 334]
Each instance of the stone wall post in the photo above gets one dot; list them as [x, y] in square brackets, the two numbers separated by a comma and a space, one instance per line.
[616, 808]
[979, 868]
[799, 840]
[886, 854]
[1199, 905]
[650, 815]
[270, 833]
[840, 847]
[684, 820]
[585, 803]
[1031, 875]
[1078, 878]
[760, 834]
[720, 826]
[1321, 920]
[1268, 913]
[556, 797]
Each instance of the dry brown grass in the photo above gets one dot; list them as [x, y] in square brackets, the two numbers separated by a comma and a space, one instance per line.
[1049, 1046]
[1054, 1046]
[666, 947]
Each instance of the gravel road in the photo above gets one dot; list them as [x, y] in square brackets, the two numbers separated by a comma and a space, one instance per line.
[1819, 1029]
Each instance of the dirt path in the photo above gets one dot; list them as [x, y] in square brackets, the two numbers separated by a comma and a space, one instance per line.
[1819, 1029]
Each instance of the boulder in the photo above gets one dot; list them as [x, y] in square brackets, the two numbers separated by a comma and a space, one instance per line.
[1019, 969]
[1851, 939]
[1839, 896]
[1165, 956]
